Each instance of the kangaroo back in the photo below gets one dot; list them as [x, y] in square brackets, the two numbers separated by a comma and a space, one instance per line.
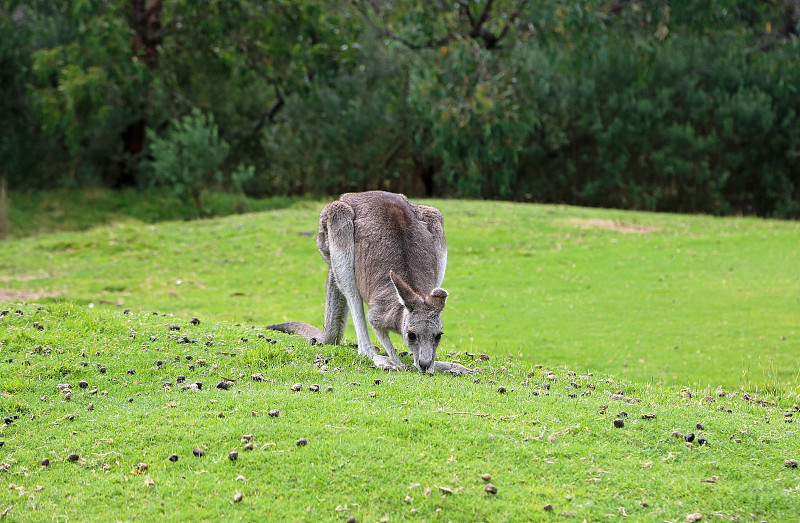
[391, 234]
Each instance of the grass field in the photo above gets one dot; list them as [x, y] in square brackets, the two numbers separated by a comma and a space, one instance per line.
[682, 300]
[585, 316]
[380, 447]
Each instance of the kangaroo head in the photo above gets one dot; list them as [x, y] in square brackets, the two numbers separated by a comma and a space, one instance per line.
[421, 326]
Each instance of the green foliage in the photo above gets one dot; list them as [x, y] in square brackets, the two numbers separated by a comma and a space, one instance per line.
[690, 124]
[476, 119]
[189, 158]
[671, 105]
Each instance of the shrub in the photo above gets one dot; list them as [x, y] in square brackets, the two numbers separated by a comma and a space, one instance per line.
[190, 157]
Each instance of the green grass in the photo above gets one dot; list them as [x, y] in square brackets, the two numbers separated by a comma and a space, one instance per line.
[682, 300]
[365, 453]
[76, 210]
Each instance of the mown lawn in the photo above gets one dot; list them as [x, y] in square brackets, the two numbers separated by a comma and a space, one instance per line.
[678, 300]
[118, 393]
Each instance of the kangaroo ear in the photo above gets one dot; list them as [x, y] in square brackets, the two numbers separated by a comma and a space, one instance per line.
[408, 297]
[437, 299]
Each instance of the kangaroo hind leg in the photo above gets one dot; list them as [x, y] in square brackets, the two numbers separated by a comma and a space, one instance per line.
[335, 313]
[337, 219]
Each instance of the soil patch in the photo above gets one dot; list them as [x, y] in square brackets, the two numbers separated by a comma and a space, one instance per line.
[25, 295]
[615, 225]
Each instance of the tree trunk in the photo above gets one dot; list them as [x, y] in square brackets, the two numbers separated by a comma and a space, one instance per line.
[3, 209]
[145, 21]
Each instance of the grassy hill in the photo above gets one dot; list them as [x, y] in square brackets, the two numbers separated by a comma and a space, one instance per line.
[584, 316]
[681, 300]
[105, 388]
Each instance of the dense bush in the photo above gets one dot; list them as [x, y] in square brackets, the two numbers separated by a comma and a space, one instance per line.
[188, 159]
[689, 125]
[670, 105]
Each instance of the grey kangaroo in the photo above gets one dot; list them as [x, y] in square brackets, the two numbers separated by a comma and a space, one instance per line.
[383, 250]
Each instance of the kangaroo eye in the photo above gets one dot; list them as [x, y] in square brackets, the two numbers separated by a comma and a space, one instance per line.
[439, 337]
[412, 336]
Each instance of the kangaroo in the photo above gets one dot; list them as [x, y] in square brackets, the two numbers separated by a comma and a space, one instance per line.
[383, 250]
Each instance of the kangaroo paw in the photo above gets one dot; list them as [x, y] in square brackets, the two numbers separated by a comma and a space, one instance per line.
[384, 363]
[453, 368]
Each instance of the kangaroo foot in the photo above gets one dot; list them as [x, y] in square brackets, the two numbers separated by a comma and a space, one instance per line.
[384, 363]
[453, 368]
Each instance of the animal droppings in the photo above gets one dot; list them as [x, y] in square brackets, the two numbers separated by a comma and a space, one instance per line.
[141, 467]
[237, 497]
[501, 390]
[83, 384]
[173, 458]
[790, 463]
[314, 388]
[194, 321]
[490, 488]
[702, 441]
[131, 372]
[174, 327]
[547, 507]
[619, 423]
[274, 413]
[302, 442]
[700, 426]
[296, 387]
[180, 378]
[676, 434]
[233, 455]
[224, 385]
[486, 477]
[45, 462]
[329, 389]
[73, 457]
[689, 437]
[198, 452]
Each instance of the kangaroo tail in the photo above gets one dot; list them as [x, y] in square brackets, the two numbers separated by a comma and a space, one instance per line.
[305, 330]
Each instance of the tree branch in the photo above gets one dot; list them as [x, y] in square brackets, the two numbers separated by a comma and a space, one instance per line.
[476, 30]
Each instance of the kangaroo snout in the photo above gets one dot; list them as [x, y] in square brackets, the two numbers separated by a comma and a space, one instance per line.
[425, 365]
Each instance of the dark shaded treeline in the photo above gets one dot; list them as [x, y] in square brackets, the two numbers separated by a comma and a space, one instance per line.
[662, 105]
